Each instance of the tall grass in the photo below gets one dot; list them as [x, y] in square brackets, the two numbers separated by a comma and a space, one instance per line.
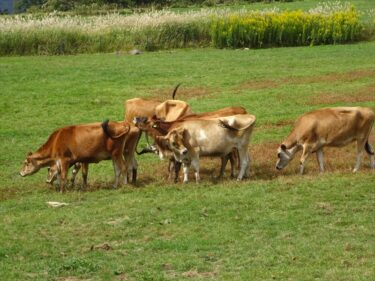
[288, 28]
[57, 34]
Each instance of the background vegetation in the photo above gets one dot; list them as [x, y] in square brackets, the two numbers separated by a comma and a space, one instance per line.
[273, 226]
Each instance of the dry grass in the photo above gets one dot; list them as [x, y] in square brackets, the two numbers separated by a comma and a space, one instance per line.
[365, 94]
[300, 80]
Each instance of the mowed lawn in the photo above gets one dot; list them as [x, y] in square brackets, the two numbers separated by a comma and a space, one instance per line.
[274, 226]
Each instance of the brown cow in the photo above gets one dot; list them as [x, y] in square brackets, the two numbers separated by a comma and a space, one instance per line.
[335, 127]
[129, 148]
[88, 143]
[157, 127]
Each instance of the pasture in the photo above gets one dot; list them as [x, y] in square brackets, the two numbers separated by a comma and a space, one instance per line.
[273, 226]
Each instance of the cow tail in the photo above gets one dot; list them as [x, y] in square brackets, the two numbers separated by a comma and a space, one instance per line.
[106, 128]
[369, 149]
[175, 90]
[136, 146]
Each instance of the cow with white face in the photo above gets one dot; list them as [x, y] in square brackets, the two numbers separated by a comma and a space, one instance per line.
[211, 137]
[332, 127]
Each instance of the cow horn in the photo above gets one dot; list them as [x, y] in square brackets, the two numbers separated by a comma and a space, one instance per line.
[175, 90]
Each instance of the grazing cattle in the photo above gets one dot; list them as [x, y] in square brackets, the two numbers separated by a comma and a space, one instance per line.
[335, 127]
[157, 127]
[88, 143]
[169, 110]
[194, 137]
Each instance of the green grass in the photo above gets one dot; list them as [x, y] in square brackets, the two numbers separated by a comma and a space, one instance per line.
[275, 226]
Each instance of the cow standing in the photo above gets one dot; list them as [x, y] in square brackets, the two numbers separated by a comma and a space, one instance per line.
[88, 143]
[156, 128]
[334, 127]
[217, 136]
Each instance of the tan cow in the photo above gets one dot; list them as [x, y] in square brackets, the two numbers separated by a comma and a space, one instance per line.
[335, 127]
[168, 110]
[156, 127]
[192, 138]
[88, 143]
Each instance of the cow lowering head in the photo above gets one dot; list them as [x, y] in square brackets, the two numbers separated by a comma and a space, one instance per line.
[29, 166]
[284, 156]
[174, 140]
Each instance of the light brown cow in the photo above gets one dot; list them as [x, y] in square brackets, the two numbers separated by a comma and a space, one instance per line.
[335, 127]
[211, 137]
[156, 127]
[88, 143]
[168, 110]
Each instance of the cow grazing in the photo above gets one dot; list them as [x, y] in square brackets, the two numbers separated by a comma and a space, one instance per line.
[192, 138]
[88, 143]
[169, 110]
[334, 127]
[157, 127]
[129, 147]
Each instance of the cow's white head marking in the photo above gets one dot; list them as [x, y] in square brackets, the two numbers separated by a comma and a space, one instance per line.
[29, 166]
[175, 142]
[284, 157]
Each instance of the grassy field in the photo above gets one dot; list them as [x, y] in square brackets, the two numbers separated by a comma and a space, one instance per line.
[274, 226]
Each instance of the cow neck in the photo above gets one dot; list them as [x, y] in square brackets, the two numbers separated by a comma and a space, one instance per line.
[44, 153]
[164, 127]
[291, 140]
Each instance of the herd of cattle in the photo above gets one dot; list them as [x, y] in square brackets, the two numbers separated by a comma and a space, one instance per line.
[183, 137]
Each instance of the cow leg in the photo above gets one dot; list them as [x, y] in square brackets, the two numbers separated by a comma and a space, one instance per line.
[247, 171]
[76, 168]
[244, 162]
[134, 171]
[63, 175]
[186, 172]
[360, 148]
[85, 171]
[320, 158]
[171, 168]
[224, 161]
[177, 168]
[117, 170]
[195, 164]
[370, 153]
[305, 154]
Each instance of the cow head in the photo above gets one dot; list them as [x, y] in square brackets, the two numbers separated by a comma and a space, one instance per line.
[174, 140]
[285, 155]
[29, 166]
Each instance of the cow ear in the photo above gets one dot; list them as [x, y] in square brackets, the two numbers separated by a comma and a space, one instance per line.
[283, 147]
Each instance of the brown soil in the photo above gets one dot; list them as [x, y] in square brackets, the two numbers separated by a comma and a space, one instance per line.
[363, 95]
[297, 80]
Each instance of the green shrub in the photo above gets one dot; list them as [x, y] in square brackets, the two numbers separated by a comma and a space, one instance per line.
[289, 28]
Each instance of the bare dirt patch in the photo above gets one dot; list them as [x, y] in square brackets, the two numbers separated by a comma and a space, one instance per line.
[298, 80]
[277, 124]
[183, 93]
[363, 95]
